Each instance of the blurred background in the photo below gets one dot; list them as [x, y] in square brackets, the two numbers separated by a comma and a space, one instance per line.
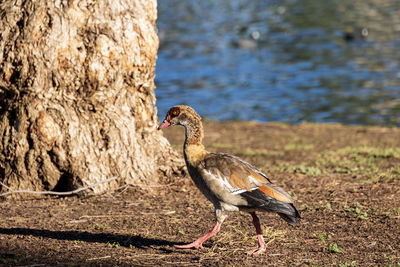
[288, 60]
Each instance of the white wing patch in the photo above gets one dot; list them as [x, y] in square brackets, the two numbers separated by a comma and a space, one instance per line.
[222, 180]
[227, 185]
[239, 191]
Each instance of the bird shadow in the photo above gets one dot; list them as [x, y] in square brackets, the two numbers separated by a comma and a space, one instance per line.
[130, 241]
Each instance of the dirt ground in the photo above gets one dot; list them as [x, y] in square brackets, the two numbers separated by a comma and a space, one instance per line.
[345, 181]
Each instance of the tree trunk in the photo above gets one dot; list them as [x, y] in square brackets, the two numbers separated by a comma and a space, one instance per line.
[77, 101]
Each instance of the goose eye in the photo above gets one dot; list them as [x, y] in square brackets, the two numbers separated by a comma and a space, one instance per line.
[175, 112]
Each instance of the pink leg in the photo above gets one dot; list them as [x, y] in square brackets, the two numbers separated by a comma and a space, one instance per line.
[261, 243]
[199, 242]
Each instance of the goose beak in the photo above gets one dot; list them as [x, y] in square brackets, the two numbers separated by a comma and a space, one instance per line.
[164, 124]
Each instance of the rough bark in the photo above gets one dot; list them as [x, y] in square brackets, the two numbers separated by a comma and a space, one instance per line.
[77, 101]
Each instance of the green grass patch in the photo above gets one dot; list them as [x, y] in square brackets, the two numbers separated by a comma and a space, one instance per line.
[366, 161]
[357, 211]
[395, 172]
[324, 237]
[113, 245]
[100, 227]
[397, 211]
[327, 206]
[181, 232]
[370, 163]
[334, 248]
[328, 246]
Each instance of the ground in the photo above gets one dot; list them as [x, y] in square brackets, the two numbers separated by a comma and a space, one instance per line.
[345, 181]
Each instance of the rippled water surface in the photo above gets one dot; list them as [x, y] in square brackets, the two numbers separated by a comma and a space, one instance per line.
[287, 60]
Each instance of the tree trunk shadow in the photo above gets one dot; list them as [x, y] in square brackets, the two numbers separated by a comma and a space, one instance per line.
[129, 241]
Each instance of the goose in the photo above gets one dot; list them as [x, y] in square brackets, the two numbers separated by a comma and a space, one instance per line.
[228, 182]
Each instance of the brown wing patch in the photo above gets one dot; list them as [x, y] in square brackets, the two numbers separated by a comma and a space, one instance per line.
[276, 192]
[240, 180]
[235, 171]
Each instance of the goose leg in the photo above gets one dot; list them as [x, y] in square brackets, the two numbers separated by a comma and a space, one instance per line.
[198, 243]
[261, 243]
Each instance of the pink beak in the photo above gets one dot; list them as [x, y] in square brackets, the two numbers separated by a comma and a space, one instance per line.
[164, 124]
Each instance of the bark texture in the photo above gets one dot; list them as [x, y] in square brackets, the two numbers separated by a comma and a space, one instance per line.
[77, 101]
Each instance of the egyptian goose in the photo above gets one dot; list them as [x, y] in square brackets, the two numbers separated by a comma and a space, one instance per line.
[229, 182]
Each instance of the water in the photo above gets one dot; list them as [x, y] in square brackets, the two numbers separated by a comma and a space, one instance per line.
[287, 60]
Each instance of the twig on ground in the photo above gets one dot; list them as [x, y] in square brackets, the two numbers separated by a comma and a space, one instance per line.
[11, 191]
[151, 186]
[99, 258]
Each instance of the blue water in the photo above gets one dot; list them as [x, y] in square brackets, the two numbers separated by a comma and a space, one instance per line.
[287, 60]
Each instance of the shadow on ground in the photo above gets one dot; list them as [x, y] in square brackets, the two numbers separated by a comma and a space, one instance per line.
[129, 241]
